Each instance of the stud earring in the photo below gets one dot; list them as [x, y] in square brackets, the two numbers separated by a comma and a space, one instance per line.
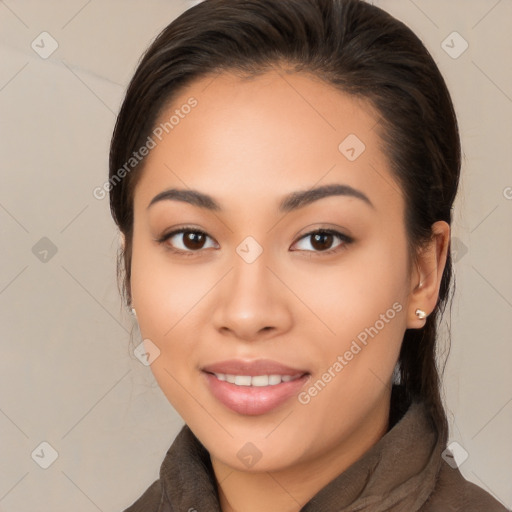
[132, 309]
[421, 314]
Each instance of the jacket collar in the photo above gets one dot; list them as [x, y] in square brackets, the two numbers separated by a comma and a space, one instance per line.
[397, 473]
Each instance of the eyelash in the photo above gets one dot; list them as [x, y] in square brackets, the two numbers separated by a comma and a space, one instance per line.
[346, 240]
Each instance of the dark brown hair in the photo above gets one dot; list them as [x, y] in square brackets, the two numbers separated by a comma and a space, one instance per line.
[358, 48]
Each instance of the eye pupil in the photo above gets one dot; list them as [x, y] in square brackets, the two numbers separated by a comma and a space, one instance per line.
[193, 240]
[322, 241]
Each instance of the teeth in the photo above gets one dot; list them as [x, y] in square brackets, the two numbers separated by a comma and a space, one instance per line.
[276, 379]
[243, 380]
[257, 380]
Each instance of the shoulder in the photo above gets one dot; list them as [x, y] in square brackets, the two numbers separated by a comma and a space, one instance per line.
[453, 493]
[149, 501]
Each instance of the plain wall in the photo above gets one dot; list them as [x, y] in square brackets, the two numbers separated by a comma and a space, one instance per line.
[67, 375]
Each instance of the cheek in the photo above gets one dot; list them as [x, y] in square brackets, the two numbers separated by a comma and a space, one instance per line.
[163, 293]
[351, 294]
[170, 301]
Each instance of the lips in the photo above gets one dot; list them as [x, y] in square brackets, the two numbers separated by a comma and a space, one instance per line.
[253, 387]
[253, 368]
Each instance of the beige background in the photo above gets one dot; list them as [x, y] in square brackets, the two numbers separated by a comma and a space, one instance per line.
[67, 375]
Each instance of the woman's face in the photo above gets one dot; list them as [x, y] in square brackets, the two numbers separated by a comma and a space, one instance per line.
[257, 166]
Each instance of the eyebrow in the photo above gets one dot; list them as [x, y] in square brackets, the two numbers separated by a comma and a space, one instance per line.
[291, 202]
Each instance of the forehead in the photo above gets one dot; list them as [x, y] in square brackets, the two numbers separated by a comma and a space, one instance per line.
[266, 136]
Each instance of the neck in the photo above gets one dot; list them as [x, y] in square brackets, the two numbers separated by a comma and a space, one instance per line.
[288, 490]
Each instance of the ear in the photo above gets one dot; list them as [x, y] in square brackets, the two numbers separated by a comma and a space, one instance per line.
[426, 277]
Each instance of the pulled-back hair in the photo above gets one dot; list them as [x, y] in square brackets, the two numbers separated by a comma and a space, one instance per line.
[358, 48]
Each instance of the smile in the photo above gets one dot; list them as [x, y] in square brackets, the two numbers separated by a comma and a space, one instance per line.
[256, 380]
[257, 394]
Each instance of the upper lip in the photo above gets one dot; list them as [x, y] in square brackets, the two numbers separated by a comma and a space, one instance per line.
[252, 368]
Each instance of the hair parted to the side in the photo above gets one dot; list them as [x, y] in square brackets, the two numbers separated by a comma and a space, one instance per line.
[350, 44]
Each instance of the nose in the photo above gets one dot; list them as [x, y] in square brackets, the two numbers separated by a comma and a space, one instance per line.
[252, 303]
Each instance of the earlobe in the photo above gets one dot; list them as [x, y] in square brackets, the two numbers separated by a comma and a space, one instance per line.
[426, 281]
[421, 314]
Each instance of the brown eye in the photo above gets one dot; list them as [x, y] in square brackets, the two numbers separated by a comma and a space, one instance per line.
[187, 241]
[194, 241]
[323, 240]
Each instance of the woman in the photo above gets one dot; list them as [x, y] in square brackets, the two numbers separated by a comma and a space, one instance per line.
[283, 175]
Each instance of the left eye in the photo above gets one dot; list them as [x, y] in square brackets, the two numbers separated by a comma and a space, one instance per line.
[322, 240]
[191, 240]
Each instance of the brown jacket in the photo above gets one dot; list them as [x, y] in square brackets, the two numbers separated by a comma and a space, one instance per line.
[402, 472]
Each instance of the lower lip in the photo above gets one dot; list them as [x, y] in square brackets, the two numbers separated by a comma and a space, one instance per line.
[253, 400]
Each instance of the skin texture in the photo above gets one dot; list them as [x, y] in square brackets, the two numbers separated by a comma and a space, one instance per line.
[249, 143]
